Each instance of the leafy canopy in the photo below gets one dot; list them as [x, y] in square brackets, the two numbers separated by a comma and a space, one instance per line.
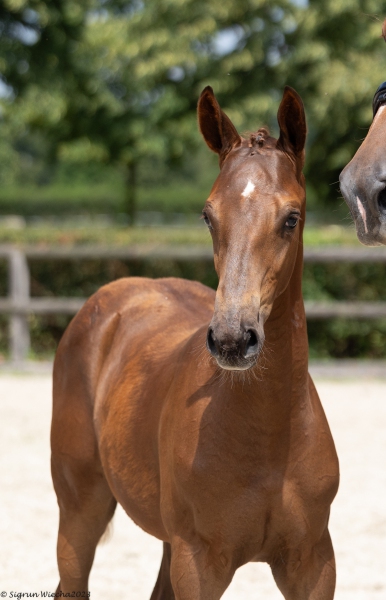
[118, 81]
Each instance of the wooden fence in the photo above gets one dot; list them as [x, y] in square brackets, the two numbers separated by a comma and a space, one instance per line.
[19, 304]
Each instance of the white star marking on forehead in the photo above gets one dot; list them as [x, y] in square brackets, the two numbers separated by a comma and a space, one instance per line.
[248, 189]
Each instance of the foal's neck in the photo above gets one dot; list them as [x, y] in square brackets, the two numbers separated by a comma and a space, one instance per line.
[286, 334]
[276, 391]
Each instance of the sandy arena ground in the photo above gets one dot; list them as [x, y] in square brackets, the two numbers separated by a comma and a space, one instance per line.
[127, 565]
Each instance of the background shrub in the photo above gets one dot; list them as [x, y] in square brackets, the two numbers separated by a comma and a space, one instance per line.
[335, 338]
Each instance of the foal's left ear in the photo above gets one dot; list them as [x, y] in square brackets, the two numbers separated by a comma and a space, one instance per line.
[292, 122]
[216, 127]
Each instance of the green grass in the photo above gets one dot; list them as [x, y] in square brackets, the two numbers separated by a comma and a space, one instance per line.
[47, 234]
[59, 199]
[111, 236]
[104, 198]
[330, 235]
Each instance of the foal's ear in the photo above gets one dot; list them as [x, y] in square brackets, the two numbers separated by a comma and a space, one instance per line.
[218, 130]
[292, 122]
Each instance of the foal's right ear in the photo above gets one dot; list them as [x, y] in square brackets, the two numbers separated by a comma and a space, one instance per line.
[218, 130]
[292, 122]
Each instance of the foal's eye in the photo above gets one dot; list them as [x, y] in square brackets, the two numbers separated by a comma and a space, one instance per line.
[206, 219]
[292, 221]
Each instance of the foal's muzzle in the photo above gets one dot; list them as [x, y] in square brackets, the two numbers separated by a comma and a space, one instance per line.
[235, 351]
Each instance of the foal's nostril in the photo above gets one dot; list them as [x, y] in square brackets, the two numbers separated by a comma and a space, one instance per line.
[382, 201]
[251, 344]
[211, 343]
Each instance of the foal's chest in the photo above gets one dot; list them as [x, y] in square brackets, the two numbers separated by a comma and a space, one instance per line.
[252, 487]
[257, 517]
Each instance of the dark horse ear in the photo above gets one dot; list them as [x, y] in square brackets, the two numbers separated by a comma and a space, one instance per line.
[218, 130]
[292, 122]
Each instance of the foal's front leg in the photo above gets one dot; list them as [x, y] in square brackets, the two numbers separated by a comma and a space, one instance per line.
[198, 571]
[308, 575]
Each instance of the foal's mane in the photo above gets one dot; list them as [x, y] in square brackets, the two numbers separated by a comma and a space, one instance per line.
[259, 138]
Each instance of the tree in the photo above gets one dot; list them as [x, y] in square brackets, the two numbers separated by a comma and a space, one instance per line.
[127, 75]
[336, 61]
[119, 80]
[37, 70]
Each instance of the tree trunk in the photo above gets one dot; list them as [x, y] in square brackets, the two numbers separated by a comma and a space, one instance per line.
[131, 192]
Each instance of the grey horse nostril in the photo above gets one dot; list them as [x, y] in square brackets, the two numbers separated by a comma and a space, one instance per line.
[252, 343]
[382, 201]
[210, 341]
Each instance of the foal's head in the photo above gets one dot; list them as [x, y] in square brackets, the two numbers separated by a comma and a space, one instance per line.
[253, 214]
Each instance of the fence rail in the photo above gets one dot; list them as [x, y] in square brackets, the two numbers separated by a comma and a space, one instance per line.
[19, 304]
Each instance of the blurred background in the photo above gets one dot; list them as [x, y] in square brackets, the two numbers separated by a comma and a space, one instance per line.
[99, 141]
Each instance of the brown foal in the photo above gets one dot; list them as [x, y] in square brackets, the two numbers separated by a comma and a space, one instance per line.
[164, 402]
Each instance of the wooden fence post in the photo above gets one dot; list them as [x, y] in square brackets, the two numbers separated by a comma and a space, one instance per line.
[19, 293]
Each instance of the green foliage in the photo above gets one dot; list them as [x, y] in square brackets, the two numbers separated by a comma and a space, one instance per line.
[100, 87]
[61, 200]
[337, 59]
[122, 79]
[90, 188]
[99, 199]
[118, 81]
[345, 338]
[352, 282]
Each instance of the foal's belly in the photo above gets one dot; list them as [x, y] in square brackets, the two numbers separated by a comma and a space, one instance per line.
[127, 419]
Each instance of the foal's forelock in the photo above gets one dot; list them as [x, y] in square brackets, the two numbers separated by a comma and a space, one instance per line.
[258, 139]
